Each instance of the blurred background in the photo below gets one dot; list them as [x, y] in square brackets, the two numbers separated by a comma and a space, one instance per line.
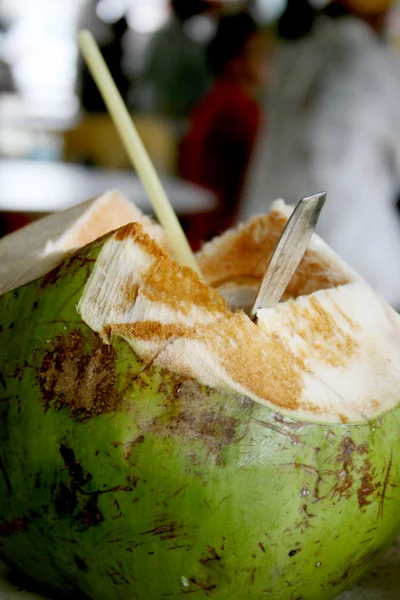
[237, 102]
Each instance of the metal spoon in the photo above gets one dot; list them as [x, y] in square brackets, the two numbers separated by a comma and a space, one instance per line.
[289, 252]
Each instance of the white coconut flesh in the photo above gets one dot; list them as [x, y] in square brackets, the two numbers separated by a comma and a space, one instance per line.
[328, 353]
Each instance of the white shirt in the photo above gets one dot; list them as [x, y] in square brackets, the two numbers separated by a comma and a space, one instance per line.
[334, 126]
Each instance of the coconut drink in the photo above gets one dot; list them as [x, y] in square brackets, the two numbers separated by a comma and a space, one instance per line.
[156, 442]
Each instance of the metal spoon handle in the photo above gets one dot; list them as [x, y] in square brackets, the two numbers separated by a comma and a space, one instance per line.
[289, 252]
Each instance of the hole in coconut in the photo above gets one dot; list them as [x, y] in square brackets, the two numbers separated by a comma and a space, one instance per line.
[307, 280]
[239, 297]
[235, 263]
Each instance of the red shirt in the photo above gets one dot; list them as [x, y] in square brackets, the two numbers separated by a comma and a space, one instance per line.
[218, 145]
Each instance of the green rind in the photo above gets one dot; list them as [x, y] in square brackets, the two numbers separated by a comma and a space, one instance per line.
[178, 488]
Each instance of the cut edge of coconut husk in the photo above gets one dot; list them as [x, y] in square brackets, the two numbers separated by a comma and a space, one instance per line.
[330, 353]
[34, 250]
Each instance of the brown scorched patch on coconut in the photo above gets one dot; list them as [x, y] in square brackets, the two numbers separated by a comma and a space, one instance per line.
[273, 365]
[166, 282]
[322, 332]
[179, 288]
[82, 382]
[140, 237]
[150, 331]
[129, 292]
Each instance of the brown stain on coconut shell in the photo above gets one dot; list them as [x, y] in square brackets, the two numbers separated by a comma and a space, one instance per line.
[343, 487]
[85, 383]
[349, 471]
[194, 415]
[367, 485]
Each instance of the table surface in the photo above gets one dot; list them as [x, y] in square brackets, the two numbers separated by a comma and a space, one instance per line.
[383, 583]
[36, 186]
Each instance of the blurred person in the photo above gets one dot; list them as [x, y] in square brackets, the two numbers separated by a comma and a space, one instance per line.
[175, 73]
[223, 126]
[111, 48]
[334, 125]
[6, 76]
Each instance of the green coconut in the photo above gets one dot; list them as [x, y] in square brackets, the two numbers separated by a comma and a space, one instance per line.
[155, 442]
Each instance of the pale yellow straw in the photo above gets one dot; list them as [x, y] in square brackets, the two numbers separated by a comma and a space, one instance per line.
[136, 151]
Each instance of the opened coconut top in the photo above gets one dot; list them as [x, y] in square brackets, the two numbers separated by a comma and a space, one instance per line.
[328, 353]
